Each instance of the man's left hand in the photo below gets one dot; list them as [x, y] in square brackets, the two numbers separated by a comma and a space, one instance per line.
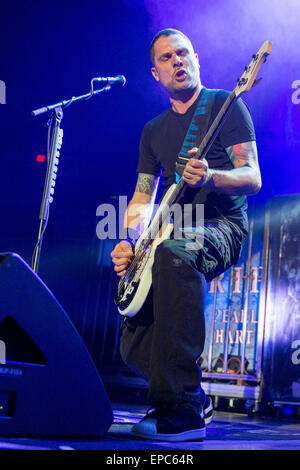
[196, 172]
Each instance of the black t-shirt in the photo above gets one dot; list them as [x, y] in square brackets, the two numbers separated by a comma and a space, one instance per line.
[162, 140]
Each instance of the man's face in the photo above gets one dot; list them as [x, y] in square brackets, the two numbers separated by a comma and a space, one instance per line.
[176, 65]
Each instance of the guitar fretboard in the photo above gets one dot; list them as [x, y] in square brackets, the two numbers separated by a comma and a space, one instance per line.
[206, 143]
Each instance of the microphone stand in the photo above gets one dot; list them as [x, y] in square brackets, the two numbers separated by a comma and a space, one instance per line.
[53, 160]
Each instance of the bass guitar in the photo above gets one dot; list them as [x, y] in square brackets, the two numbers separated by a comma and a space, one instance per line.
[134, 286]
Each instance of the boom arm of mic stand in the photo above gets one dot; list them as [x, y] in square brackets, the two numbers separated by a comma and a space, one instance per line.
[65, 103]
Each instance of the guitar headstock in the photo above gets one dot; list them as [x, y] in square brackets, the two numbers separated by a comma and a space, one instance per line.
[248, 79]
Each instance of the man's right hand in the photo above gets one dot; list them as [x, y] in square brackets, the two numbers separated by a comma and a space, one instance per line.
[122, 256]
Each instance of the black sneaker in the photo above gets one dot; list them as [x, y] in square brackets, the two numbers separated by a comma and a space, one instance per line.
[208, 410]
[172, 423]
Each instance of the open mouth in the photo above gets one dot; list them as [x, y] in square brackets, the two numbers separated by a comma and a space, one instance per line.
[180, 75]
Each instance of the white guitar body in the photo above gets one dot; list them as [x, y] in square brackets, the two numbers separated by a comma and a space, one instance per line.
[142, 280]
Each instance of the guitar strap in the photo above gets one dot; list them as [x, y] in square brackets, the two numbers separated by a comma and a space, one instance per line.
[197, 129]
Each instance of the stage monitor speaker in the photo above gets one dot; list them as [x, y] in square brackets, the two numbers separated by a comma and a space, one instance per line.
[49, 385]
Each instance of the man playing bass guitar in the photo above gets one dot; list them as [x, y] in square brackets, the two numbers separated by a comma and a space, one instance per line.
[162, 341]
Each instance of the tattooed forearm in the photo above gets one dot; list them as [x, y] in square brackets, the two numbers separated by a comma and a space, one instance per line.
[140, 208]
[243, 154]
[243, 178]
[145, 184]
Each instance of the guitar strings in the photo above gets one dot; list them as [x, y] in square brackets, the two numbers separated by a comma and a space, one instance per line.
[205, 144]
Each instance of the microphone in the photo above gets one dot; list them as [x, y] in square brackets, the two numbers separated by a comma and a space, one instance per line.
[119, 80]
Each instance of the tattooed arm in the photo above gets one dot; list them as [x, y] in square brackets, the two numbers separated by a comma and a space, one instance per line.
[137, 217]
[244, 178]
[146, 184]
[140, 208]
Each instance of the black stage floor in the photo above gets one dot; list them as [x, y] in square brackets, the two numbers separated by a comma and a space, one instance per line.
[228, 431]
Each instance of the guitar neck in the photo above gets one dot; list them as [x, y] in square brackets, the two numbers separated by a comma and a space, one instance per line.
[203, 149]
[208, 140]
[245, 83]
[216, 126]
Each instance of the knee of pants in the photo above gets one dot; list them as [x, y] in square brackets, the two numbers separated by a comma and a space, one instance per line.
[167, 250]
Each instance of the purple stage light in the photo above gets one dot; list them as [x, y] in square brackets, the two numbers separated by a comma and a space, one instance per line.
[225, 35]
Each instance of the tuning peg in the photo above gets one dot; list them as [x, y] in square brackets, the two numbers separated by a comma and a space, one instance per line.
[256, 82]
